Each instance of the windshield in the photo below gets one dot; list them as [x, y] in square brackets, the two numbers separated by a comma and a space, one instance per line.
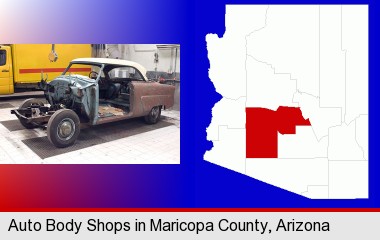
[90, 71]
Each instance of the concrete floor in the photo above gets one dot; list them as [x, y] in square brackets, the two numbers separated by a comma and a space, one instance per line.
[153, 144]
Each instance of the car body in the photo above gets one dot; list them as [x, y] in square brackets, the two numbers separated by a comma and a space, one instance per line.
[114, 90]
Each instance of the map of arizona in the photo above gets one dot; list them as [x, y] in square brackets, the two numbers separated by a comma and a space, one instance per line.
[294, 112]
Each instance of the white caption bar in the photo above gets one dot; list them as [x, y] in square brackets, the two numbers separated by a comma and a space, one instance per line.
[187, 225]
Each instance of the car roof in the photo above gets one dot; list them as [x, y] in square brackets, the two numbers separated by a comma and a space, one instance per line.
[112, 61]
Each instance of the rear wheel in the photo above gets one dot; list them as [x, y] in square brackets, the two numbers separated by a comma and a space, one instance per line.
[154, 115]
[28, 103]
[63, 128]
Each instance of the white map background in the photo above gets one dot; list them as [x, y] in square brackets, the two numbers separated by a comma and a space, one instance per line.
[308, 56]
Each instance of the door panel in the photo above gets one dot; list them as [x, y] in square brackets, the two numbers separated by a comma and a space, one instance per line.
[5, 71]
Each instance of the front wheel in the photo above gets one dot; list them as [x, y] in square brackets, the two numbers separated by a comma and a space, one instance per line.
[63, 128]
[154, 115]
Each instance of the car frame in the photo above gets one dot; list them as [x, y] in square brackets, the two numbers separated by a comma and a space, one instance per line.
[95, 99]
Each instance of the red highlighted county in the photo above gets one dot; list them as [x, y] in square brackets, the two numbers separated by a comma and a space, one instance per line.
[262, 126]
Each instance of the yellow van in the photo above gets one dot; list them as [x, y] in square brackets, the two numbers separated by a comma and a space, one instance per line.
[21, 64]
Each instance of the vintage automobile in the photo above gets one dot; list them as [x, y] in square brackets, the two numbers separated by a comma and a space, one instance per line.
[114, 90]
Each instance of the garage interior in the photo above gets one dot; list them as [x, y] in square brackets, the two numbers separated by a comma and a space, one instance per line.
[125, 142]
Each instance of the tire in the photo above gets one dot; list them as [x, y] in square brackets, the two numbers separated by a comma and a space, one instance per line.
[63, 128]
[25, 104]
[154, 115]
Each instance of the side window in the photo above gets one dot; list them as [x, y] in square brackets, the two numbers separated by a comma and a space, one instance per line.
[3, 57]
[125, 72]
